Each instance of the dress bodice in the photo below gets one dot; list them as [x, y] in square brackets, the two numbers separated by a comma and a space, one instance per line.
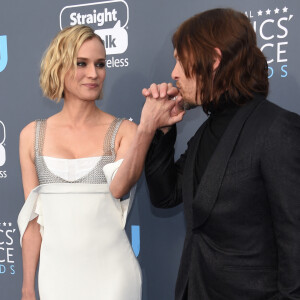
[71, 169]
[93, 175]
[82, 226]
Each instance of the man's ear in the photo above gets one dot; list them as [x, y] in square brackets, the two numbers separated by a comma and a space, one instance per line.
[218, 58]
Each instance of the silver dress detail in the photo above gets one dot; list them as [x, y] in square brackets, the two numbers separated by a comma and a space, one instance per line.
[85, 252]
[95, 176]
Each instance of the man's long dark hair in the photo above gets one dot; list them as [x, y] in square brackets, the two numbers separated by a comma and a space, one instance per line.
[243, 68]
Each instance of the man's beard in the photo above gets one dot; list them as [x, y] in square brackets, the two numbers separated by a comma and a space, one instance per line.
[188, 106]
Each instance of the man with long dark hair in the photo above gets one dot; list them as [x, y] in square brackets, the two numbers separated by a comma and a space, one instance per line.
[239, 179]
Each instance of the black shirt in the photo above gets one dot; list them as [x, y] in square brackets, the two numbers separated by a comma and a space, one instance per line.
[219, 117]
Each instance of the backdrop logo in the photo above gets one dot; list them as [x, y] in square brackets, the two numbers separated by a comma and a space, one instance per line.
[3, 52]
[135, 239]
[2, 149]
[107, 18]
[7, 237]
[271, 26]
[2, 143]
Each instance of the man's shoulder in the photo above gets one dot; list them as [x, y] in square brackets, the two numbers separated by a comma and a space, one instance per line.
[268, 112]
[272, 120]
[275, 109]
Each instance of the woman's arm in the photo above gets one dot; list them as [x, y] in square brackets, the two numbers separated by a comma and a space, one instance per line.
[136, 140]
[133, 148]
[31, 242]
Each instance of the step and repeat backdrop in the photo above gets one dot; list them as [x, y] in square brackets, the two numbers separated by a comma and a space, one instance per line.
[137, 36]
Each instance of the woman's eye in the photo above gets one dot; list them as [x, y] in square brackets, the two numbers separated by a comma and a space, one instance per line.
[81, 64]
[100, 65]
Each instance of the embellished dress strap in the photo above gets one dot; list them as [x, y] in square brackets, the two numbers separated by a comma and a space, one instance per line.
[110, 138]
[40, 129]
[95, 176]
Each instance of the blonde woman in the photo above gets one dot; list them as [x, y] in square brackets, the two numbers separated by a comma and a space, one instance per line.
[76, 165]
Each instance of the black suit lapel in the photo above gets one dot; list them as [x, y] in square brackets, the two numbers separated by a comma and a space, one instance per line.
[188, 174]
[208, 189]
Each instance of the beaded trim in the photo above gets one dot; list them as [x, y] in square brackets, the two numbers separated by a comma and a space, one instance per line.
[95, 176]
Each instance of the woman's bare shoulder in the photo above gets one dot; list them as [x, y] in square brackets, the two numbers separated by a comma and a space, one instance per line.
[27, 137]
[28, 131]
[128, 126]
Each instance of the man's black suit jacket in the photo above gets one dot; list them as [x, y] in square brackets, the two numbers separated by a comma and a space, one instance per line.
[243, 224]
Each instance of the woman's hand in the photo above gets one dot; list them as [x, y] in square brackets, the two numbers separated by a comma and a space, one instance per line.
[160, 90]
[159, 111]
[163, 107]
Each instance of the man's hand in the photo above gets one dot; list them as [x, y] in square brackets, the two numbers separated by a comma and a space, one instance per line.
[163, 107]
[160, 90]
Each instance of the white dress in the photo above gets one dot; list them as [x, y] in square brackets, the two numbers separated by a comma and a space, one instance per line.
[85, 252]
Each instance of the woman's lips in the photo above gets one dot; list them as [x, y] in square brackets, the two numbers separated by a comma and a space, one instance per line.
[91, 85]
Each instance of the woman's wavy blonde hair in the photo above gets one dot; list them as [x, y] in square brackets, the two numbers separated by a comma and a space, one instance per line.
[60, 57]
